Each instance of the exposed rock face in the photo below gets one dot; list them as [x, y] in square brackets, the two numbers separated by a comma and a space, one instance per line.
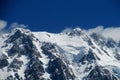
[3, 63]
[34, 70]
[57, 68]
[59, 71]
[90, 57]
[23, 46]
[99, 73]
[16, 64]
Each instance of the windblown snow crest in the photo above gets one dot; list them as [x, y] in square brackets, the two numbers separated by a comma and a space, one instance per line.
[72, 55]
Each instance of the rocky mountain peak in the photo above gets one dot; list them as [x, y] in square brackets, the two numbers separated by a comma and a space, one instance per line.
[73, 32]
[19, 33]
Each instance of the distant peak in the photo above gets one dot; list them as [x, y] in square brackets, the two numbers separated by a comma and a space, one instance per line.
[23, 30]
[77, 29]
[73, 32]
[20, 31]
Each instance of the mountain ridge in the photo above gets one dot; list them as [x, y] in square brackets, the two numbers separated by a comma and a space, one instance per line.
[73, 55]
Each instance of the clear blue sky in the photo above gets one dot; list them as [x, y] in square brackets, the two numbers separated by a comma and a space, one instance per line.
[55, 15]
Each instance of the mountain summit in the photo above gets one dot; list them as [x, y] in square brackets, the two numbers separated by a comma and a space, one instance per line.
[72, 55]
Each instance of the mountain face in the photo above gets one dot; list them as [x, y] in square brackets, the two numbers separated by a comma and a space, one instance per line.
[72, 55]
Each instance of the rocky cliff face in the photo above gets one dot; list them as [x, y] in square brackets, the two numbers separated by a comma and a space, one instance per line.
[74, 55]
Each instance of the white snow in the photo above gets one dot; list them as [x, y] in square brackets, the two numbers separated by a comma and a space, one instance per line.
[24, 66]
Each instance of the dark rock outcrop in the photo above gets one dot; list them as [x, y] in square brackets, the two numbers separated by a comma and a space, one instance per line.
[100, 73]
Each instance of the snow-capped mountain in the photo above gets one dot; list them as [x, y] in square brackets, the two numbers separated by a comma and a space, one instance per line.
[70, 55]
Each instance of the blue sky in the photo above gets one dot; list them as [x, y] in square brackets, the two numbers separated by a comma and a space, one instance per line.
[55, 15]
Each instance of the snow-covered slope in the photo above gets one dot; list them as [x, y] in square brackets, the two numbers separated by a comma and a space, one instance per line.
[72, 55]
